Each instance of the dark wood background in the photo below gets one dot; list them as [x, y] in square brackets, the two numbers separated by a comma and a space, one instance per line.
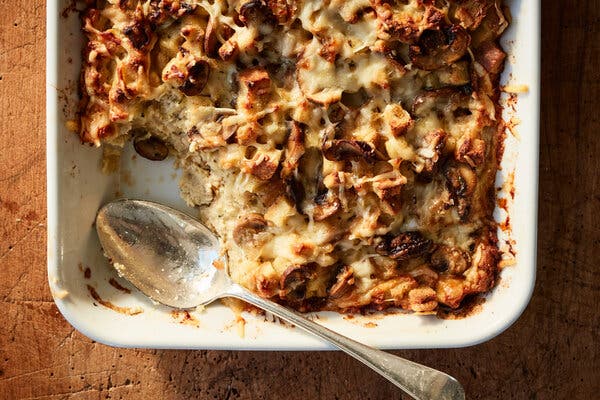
[552, 352]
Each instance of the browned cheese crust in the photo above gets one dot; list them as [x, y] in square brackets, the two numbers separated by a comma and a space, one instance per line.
[343, 151]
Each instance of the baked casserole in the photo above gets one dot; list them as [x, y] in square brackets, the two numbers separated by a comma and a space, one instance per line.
[343, 151]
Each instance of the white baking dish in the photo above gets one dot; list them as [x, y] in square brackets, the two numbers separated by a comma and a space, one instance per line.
[76, 189]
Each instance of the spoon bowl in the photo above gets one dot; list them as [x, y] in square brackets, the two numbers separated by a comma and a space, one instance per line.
[170, 257]
[165, 253]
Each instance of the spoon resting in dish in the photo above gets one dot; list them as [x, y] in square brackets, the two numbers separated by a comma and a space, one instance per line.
[169, 257]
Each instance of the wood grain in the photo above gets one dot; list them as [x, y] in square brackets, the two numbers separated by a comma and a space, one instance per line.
[552, 352]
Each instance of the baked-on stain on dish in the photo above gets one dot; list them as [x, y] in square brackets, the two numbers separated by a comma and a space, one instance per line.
[114, 283]
[471, 305]
[109, 305]
[185, 318]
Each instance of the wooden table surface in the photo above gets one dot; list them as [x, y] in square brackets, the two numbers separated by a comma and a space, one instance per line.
[551, 352]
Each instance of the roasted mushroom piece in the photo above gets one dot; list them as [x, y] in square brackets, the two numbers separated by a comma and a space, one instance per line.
[197, 78]
[343, 283]
[336, 113]
[439, 99]
[439, 48]
[294, 280]
[461, 182]
[351, 150]
[256, 12]
[405, 245]
[151, 148]
[325, 206]
[246, 230]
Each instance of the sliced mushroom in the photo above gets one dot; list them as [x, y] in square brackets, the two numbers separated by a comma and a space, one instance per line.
[395, 51]
[343, 283]
[256, 12]
[294, 280]
[197, 78]
[325, 206]
[461, 182]
[336, 113]
[351, 150]
[294, 150]
[151, 148]
[248, 228]
[491, 27]
[457, 74]
[438, 48]
[404, 245]
[355, 100]
[307, 184]
[446, 99]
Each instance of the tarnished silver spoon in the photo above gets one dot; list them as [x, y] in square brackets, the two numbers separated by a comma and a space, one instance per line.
[169, 256]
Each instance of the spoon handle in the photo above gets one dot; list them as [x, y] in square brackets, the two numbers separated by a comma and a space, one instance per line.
[419, 381]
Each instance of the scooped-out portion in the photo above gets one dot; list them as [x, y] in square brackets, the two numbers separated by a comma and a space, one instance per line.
[344, 152]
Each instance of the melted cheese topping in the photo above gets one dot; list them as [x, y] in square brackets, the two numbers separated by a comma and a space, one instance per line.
[343, 151]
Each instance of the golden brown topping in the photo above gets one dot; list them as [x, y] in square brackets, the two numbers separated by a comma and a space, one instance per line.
[282, 10]
[449, 259]
[398, 119]
[450, 291]
[422, 299]
[401, 25]
[256, 81]
[261, 167]
[311, 133]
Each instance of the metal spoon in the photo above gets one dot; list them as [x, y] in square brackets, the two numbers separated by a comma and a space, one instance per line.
[168, 255]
